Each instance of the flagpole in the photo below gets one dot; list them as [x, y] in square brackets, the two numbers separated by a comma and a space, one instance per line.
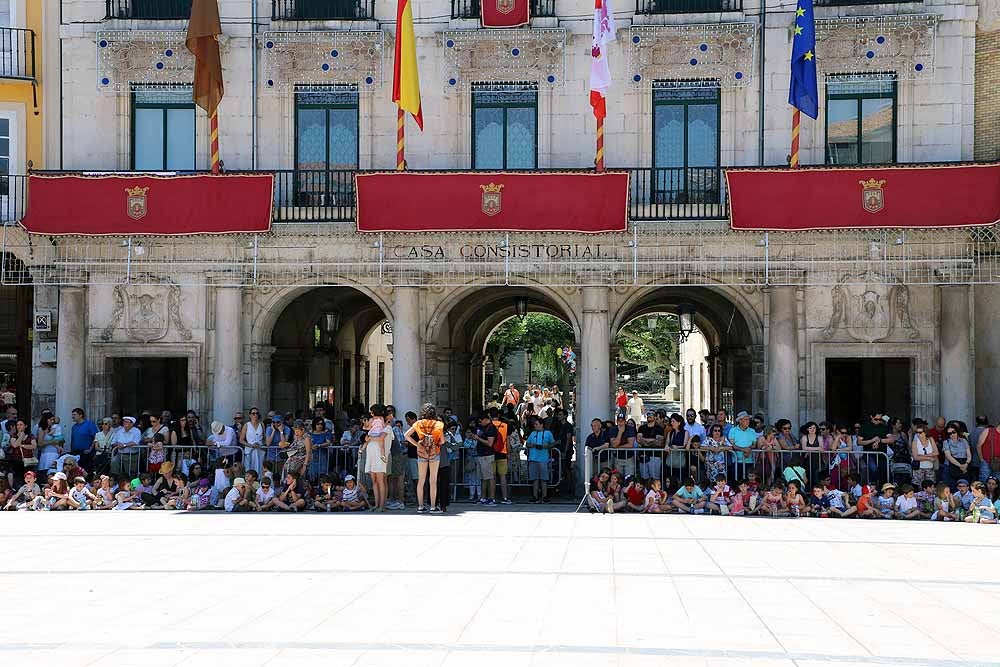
[599, 158]
[214, 119]
[796, 119]
[400, 139]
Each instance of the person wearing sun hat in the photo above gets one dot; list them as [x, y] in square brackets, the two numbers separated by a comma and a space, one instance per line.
[224, 439]
[236, 500]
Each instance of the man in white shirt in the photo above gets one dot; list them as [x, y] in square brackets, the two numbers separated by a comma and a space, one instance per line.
[224, 437]
[125, 448]
[636, 410]
[692, 427]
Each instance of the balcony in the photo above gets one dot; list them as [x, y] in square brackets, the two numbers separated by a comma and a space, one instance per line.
[17, 54]
[648, 7]
[846, 3]
[322, 10]
[470, 9]
[159, 10]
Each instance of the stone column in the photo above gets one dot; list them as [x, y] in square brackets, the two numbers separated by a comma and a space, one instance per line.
[227, 385]
[957, 375]
[71, 343]
[782, 357]
[987, 337]
[593, 370]
[406, 366]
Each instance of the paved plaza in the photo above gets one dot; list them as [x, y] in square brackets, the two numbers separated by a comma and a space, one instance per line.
[491, 587]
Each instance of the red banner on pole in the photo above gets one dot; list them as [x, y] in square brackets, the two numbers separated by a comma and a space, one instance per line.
[496, 201]
[872, 198]
[122, 205]
[505, 13]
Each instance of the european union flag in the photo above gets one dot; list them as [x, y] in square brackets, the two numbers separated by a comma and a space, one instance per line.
[802, 93]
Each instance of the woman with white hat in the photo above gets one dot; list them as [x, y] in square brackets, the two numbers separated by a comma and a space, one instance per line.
[125, 448]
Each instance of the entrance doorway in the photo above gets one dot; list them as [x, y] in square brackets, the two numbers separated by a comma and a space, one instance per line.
[857, 387]
[150, 384]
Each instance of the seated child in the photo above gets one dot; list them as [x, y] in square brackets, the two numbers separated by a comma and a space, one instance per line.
[105, 494]
[264, 500]
[945, 506]
[982, 508]
[746, 500]
[351, 497]
[145, 492]
[236, 500]
[125, 499]
[926, 497]
[840, 501]
[201, 496]
[819, 503]
[886, 501]
[326, 498]
[907, 504]
[721, 498]
[178, 500]
[80, 497]
[292, 497]
[656, 499]
[963, 498]
[24, 498]
[635, 495]
[793, 498]
[867, 504]
[690, 499]
[774, 503]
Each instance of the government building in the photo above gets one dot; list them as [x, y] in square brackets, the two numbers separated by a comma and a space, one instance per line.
[808, 324]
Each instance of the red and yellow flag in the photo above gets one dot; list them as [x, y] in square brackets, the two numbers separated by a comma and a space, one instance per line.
[405, 79]
[203, 41]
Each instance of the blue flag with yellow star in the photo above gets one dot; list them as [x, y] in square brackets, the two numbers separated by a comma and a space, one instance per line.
[802, 92]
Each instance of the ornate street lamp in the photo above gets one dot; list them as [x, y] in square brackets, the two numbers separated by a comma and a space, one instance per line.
[685, 318]
[521, 307]
[529, 354]
[651, 321]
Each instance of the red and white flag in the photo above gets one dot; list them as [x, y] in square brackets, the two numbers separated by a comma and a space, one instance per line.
[600, 72]
[505, 13]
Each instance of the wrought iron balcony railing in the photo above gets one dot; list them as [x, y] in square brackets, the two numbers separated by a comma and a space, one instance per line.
[149, 9]
[686, 6]
[322, 10]
[470, 9]
[17, 53]
[842, 3]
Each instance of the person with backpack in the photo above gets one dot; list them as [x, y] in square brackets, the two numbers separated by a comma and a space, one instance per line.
[427, 434]
[500, 454]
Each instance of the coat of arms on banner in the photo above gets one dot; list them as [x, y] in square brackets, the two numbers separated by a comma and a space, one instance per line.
[870, 308]
[505, 6]
[135, 206]
[491, 198]
[872, 197]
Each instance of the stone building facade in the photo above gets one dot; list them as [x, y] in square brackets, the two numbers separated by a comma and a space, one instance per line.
[804, 326]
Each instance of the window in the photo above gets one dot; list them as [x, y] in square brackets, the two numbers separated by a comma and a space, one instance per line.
[686, 141]
[326, 128]
[163, 134]
[860, 121]
[5, 154]
[504, 126]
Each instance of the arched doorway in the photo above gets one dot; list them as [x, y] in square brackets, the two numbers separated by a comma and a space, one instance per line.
[460, 329]
[330, 346]
[718, 364]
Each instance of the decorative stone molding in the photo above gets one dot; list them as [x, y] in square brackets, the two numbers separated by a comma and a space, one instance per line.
[694, 53]
[148, 310]
[870, 307]
[989, 17]
[297, 60]
[896, 45]
[534, 55]
[151, 58]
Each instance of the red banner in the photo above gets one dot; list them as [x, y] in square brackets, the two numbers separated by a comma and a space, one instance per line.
[158, 205]
[876, 197]
[505, 13]
[497, 201]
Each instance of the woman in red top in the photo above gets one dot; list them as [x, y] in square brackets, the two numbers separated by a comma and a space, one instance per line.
[989, 452]
[426, 435]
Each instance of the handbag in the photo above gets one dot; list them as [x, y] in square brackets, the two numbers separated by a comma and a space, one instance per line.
[28, 461]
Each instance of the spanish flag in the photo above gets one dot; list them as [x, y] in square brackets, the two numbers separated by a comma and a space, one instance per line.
[405, 80]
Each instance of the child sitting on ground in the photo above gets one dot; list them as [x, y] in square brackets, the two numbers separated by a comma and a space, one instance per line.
[793, 498]
[982, 510]
[867, 503]
[80, 497]
[292, 497]
[125, 499]
[746, 501]
[945, 507]
[635, 495]
[774, 503]
[819, 503]
[351, 497]
[25, 497]
[235, 499]
[926, 497]
[840, 501]
[690, 499]
[326, 499]
[105, 494]
[963, 498]
[180, 498]
[907, 505]
[721, 498]
[886, 501]
[201, 497]
[264, 499]
[656, 499]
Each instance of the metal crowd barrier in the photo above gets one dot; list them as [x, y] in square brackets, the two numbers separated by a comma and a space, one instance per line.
[676, 465]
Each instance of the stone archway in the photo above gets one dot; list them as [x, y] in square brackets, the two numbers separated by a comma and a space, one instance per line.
[460, 326]
[733, 331]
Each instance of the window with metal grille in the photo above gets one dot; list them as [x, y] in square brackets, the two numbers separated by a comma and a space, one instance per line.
[504, 126]
[686, 120]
